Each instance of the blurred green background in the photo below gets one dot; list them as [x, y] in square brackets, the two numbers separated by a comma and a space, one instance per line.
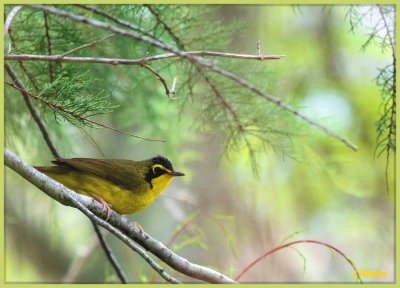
[307, 181]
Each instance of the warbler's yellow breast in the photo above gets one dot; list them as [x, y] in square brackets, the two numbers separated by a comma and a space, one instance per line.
[127, 186]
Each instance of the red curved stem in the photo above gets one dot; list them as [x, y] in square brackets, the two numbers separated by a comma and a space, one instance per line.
[258, 259]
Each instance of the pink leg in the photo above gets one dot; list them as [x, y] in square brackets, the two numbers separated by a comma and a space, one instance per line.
[104, 204]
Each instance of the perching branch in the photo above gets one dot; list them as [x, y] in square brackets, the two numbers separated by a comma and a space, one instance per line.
[196, 60]
[118, 225]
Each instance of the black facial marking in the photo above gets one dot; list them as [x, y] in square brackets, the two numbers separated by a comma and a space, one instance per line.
[158, 171]
[163, 161]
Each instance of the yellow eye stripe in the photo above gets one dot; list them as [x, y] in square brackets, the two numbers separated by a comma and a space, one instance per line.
[161, 167]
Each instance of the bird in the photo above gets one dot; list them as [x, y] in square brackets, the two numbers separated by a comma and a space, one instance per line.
[127, 186]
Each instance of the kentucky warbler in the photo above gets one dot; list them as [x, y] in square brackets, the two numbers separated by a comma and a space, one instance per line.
[127, 186]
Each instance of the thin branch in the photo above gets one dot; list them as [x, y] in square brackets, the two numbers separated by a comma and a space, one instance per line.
[387, 31]
[77, 116]
[10, 18]
[258, 259]
[244, 83]
[55, 153]
[32, 110]
[159, 77]
[91, 44]
[116, 224]
[47, 34]
[114, 19]
[166, 27]
[144, 60]
[110, 255]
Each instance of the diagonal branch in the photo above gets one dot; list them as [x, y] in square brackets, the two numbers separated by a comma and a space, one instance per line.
[109, 254]
[162, 80]
[116, 224]
[91, 44]
[69, 198]
[241, 82]
[55, 153]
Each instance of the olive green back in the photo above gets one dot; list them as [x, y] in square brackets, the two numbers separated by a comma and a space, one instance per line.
[125, 173]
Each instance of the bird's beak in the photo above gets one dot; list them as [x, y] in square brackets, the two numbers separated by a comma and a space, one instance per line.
[174, 173]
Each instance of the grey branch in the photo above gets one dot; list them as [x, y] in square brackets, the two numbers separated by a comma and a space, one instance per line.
[117, 225]
[144, 60]
[196, 60]
[10, 18]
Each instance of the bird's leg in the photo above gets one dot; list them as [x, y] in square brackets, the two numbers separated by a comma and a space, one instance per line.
[103, 203]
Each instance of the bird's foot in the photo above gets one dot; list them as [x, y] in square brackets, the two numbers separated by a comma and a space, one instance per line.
[105, 207]
[103, 203]
[139, 227]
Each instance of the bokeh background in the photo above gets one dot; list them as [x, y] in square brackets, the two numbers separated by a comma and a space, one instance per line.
[304, 185]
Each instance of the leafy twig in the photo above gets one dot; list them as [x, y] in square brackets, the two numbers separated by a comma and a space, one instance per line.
[78, 116]
[241, 82]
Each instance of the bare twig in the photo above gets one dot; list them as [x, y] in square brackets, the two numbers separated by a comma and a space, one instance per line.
[47, 34]
[110, 255]
[10, 17]
[244, 83]
[159, 77]
[255, 261]
[91, 44]
[77, 116]
[144, 60]
[116, 224]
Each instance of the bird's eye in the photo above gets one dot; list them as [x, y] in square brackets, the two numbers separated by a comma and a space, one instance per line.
[158, 171]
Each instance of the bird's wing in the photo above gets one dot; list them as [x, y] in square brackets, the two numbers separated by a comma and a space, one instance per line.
[125, 173]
